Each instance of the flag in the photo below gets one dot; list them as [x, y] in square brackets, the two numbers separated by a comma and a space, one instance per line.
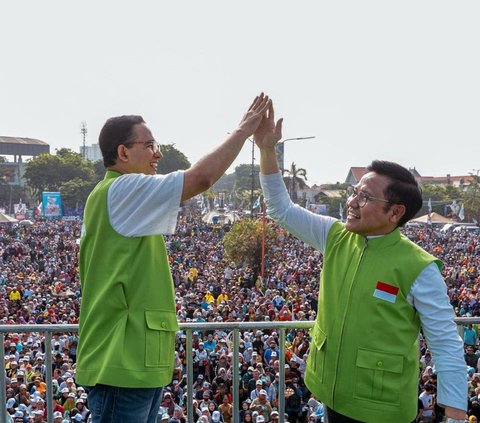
[340, 211]
[386, 292]
[38, 209]
[461, 213]
[257, 202]
[429, 205]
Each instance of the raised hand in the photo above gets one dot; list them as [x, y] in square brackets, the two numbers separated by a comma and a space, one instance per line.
[255, 114]
[268, 133]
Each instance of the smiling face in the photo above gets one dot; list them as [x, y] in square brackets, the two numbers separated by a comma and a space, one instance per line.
[375, 217]
[139, 154]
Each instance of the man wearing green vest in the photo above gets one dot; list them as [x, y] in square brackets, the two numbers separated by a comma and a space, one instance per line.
[127, 316]
[376, 290]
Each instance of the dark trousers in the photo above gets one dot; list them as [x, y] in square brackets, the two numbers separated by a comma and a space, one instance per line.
[334, 417]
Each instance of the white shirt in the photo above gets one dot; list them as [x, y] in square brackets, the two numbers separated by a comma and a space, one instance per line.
[141, 205]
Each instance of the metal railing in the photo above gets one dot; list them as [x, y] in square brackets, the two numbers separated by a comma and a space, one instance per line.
[189, 328]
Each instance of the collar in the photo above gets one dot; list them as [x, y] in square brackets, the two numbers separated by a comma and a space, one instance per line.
[112, 174]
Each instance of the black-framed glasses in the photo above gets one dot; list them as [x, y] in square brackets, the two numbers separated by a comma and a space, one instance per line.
[363, 198]
[151, 145]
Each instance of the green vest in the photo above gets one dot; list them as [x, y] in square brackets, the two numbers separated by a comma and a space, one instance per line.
[127, 317]
[363, 359]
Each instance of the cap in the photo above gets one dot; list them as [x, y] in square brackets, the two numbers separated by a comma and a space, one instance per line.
[262, 392]
[260, 419]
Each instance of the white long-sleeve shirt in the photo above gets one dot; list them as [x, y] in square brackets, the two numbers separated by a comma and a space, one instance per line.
[428, 294]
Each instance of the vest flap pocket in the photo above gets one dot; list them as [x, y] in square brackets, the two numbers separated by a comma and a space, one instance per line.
[317, 353]
[161, 320]
[319, 337]
[160, 338]
[378, 360]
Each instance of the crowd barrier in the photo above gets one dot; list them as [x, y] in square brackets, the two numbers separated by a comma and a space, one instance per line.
[188, 328]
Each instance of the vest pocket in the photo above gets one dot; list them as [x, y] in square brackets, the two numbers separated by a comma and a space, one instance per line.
[317, 352]
[378, 376]
[160, 337]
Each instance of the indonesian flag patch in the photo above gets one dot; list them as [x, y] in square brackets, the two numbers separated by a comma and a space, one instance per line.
[386, 292]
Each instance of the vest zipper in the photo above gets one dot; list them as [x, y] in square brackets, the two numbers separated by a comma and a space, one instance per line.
[344, 318]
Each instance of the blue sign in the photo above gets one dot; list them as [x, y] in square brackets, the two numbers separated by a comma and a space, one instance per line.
[52, 204]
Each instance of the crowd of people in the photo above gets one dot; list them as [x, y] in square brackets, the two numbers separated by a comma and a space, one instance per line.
[39, 283]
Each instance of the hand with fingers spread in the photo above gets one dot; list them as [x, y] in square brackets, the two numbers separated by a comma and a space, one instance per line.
[212, 166]
[268, 133]
[256, 112]
[266, 136]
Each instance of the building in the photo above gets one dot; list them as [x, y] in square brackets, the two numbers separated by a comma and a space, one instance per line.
[91, 152]
[12, 172]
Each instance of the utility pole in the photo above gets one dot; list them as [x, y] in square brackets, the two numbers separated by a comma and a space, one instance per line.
[280, 151]
[252, 175]
[83, 131]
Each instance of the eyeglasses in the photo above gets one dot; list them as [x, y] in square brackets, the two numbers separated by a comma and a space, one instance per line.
[363, 198]
[152, 145]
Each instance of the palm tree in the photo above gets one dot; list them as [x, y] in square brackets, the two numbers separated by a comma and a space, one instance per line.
[297, 176]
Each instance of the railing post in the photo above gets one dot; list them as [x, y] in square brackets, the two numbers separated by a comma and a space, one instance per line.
[281, 381]
[48, 381]
[3, 382]
[236, 377]
[189, 357]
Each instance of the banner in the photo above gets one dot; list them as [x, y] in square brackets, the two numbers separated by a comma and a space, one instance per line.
[20, 210]
[318, 208]
[52, 204]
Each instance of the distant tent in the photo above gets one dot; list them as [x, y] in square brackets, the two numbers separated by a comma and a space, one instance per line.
[435, 218]
[7, 219]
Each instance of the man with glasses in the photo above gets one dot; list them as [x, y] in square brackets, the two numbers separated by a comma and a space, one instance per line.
[377, 289]
[128, 318]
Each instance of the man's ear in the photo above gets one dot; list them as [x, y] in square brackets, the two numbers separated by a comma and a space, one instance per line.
[396, 212]
[123, 153]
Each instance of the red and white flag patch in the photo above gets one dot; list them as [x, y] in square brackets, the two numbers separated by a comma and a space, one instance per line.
[386, 292]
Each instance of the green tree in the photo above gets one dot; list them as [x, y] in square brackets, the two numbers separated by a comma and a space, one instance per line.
[243, 177]
[471, 200]
[225, 183]
[334, 205]
[172, 160]
[48, 172]
[440, 196]
[44, 172]
[243, 243]
[99, 170]
[75, 191]
[296, 177]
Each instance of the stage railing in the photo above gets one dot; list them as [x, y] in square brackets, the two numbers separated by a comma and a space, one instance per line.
[188, 328]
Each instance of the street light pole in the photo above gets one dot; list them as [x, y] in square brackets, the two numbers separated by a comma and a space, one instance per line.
[252, 176]
[280, 150]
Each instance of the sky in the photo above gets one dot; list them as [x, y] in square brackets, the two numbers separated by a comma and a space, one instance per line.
[368, 79]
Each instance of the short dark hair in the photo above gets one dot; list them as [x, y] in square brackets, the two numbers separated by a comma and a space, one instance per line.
[403, 188]
[116, 131]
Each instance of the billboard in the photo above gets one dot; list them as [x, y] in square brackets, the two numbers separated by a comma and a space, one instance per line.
[20, 210]
[52, 204]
